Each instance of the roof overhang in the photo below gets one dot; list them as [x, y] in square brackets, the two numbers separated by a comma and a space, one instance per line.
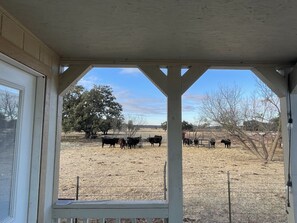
[219, 33]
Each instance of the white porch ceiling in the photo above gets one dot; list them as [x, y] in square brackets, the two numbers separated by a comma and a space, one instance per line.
[228, 30]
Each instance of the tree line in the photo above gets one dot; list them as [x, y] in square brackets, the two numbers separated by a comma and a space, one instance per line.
[254, 120]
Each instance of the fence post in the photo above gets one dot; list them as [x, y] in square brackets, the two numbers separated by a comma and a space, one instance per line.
[77, 187]
[165, 186]
[76, 195]
[229, 197]
[165, 181]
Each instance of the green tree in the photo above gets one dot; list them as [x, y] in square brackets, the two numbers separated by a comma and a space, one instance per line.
[91, 111]
[70, 101]
[187, 126]
[104, 126]
[164, 125]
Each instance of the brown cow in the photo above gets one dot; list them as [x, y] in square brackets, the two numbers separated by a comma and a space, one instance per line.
[122, 143]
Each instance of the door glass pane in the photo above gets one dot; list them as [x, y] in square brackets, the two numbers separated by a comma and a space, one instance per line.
[9, 103]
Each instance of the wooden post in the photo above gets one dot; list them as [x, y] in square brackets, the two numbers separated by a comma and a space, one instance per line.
[289, 138]
[178, 85]
[229, 197]
[174, 132]
[77, 187]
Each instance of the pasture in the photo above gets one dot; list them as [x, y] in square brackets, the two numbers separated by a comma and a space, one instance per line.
[256, 188]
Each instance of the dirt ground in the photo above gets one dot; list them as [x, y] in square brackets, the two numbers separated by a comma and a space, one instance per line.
[256, 189]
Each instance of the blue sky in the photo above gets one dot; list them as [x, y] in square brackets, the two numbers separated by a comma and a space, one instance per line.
[141, 99]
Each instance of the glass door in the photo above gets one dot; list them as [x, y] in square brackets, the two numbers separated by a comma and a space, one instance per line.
[17, 102]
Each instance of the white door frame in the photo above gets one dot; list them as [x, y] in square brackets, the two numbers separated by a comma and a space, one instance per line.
[36, 135]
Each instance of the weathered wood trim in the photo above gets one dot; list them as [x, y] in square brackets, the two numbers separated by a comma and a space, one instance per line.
[192, 75]
[275, 81]
[71, 76]
[156, 76]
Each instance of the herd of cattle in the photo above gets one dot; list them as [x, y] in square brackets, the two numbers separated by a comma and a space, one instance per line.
[206, 142]
[131, 142]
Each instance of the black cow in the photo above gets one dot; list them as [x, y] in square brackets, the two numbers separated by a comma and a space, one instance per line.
[155, 139]
[196, 142]
[227, 143]
[133, 141]
[110, 141]
[187, 141]
[212, 143]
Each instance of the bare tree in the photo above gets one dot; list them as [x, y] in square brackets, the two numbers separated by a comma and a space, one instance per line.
[9, 105]
[201, 123]
[248, 119]
[133, 125]
[270, 114]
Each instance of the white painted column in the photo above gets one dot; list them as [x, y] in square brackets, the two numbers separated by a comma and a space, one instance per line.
[174, 132]
[284, 122]
[173, 86]
[292, 164]
[48, 152]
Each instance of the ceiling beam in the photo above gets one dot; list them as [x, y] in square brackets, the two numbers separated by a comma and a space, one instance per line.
[184, 63]
[71, 76]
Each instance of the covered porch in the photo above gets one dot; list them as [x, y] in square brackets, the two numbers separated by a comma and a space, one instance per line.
[41, 37]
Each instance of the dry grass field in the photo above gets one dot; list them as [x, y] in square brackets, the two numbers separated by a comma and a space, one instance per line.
[256, 188]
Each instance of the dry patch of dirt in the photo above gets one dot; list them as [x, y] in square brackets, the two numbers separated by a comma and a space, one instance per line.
[256, 188]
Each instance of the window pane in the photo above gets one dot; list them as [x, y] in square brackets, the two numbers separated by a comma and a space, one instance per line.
[9, 101]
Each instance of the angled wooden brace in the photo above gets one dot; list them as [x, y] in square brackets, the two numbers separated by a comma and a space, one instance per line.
[275, 81]
[293, 80]
[192, 75]
[71, 76]
[156, 76]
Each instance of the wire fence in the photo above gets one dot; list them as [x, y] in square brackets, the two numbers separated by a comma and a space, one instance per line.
[208, 198]
[249, 198]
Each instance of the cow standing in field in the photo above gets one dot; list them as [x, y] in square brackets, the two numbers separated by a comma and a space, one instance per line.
[187, 141]
[227, 143]
[122, 143]
[196, 142]
[110, 141]
[212, 143]
[133, 141]
[155, 139]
